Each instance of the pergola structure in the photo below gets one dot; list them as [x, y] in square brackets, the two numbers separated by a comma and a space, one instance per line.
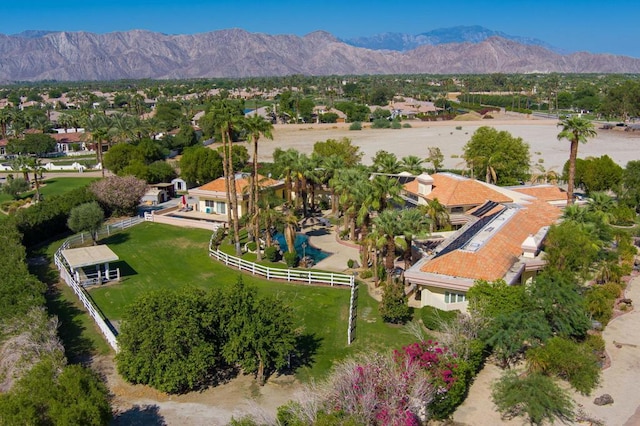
[98, 256]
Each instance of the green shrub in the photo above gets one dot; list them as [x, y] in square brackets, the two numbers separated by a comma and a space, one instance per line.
[356, 125]
[350, 263]
[406, 126]
[271, 254]
[432, 318]
[458, 127]
[396, 124]
[394, 307]
[366, 274]
[252, 246]
[443, 408]
[536, 397]
[381, 123]
[291, 259]
[599, 304]
[574, 362]
[595, 343]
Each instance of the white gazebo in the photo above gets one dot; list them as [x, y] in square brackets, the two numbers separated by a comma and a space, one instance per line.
[83, 257]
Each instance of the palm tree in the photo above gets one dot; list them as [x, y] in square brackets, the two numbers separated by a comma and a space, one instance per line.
[387, 189]
[6, 117]
[601, 206]
[256, 126]
[21, 164]
[412, 222]
[286, 161]
[412, 164]
[437, 213]
[330, 166]
[36, 166]
[374, 241]
[225, 118]
[576, 130]
[387, 225]
[290, 227]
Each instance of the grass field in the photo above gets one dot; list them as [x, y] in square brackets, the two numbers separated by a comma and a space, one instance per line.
[55, 186]
[155, 256]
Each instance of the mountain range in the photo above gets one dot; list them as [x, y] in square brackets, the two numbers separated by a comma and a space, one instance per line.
[461, 34]
[137, 54]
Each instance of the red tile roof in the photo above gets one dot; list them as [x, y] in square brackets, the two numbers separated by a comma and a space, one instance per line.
[452, 190]
[73, 137]
[219, 186]
[494, 259]
[544, 192]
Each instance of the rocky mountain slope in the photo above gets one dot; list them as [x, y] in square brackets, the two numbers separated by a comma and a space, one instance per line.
[237, 53]
[460, 34]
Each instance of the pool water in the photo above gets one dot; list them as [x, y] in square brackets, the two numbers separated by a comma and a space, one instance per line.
[314, 253]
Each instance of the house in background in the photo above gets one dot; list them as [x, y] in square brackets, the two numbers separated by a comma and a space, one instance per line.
[212, 198]
[502, 233]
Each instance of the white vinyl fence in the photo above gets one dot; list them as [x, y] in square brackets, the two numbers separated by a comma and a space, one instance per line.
[65, 273]
[307, 277]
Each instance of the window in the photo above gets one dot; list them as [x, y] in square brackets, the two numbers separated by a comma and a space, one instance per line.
[454, 297]
[216, 206]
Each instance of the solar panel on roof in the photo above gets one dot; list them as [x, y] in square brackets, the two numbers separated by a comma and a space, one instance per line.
[486, 207]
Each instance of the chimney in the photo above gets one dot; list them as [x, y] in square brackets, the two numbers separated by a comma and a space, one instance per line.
[529, 247]
[425, 184]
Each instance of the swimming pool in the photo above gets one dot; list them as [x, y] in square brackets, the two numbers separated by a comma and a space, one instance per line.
[316, 254]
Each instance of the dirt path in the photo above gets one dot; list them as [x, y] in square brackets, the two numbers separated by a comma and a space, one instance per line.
[142, 405]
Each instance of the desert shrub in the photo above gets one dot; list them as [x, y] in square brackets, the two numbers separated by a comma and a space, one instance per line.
[595, 343]
[599, 304]
[356, 125]
[271, 254]
[406, 126]
[291, 259]
[394, 307]
[432, 318]
[487, 117]
[458, 127]
[535, 396]
[366, 274]
[611, 290]
[395, 124]
[381, 123]
[350, 263]
[252, 246]
[568, 360]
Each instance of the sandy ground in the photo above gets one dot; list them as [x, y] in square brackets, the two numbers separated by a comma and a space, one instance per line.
[620, 379]
[540, 134]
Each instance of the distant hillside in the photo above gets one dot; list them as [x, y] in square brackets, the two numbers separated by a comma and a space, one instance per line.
[462, 34]
[237, 53]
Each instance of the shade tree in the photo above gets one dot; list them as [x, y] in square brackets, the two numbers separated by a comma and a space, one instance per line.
[86, 217]
[119, 194]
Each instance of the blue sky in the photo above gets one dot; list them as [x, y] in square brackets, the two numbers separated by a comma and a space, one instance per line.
[587, 25]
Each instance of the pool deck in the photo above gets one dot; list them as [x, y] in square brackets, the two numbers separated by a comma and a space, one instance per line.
[324, 238]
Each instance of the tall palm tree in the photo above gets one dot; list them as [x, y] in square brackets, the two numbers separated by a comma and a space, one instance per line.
[576, 130]
[412, 222]
[387, 189]
[290, 226]
[387, 224]
[330, 166]
[225, 119]
[36, 166]
[256, 126]
[6, 117]
[286, 161]
[374, 241]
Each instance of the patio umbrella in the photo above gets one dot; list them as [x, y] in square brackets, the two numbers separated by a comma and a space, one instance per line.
[184, 201]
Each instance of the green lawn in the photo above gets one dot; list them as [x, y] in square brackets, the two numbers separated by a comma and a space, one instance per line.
[55, 186]
[157, 256]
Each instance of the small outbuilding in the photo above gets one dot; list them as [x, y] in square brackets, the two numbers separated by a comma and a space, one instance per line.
[90, 265]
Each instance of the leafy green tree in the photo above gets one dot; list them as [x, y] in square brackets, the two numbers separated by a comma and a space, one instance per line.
[120, 156]
[259, 331]
[555, 294]
[500, 157]
[489, 300]
[631, 182]
[161, 171]
[171, 340]
[32, 143]
[571, 248]
[436, 158]
[510, 335]
[169, 113]
[86, 217]
[354, 111]
[343, 148]
[150, 151]
[15, 187]
[199, 165]
[535, 396]
[45, 395]
[577, 130]
[598, 174]
[186, 137]
[329, 117]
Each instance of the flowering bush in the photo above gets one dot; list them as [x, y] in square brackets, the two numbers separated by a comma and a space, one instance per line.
[120, 194]
[449, 374]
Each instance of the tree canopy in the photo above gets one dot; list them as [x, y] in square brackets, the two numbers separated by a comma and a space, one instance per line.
[497, 156]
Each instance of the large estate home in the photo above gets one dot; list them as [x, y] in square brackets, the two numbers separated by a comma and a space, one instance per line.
[212, 198]
[501, 235]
